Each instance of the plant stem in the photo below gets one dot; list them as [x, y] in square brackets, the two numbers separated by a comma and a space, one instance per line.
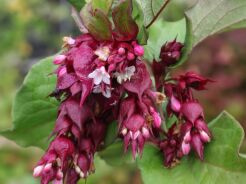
[158, 13]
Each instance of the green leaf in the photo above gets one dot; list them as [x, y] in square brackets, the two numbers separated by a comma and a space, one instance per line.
[150, 9]
[103, 5]
[114, 155]
[97, 23]
[222, 164]
[143, 36]
[78, 4]
[176, 9]
[111, 134]
[126, 27]
[160, 33]
[213, 16]
[34, 113]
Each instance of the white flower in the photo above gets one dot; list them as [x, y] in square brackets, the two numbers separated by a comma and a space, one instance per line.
[103, 53]
[129, 72]
[100, 75]
[106, 92]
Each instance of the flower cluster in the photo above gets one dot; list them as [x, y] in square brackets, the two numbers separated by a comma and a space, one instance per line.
[92, 79]
[100, 81]
[190, 130]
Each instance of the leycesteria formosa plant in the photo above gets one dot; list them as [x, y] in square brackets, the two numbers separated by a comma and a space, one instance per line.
[117, 74]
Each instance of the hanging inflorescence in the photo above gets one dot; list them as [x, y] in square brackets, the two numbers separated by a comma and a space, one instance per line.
[99, 82]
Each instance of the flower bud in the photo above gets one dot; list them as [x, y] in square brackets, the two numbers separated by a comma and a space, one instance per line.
[59, 59]
[204, 136]
[121, 51]
[185, 148]
[156, 118]
[175, 104]
[38, 170]
[130, 56]
[145, 132]
[171, 52]
[138, 50]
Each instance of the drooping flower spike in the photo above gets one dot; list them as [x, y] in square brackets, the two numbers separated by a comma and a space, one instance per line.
[102, 77]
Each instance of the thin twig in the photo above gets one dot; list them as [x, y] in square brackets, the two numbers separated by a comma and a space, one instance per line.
[158, 13]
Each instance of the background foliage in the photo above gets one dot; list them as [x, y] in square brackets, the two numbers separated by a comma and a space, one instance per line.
[31, 29]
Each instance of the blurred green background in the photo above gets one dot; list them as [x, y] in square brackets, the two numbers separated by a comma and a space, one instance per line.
[32, 29]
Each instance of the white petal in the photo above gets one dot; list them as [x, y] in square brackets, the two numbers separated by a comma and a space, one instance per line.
[98, 79]
[77, 169]
[97, 89]
[119, 79]
[130, 70]
[93, 74]
[107, 93]
[106, 80]
[82, 175]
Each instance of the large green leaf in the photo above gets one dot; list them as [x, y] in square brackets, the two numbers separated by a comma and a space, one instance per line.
[222, 165]
[150, 9]
[34, 113]
[114, 155]
[212, 16]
